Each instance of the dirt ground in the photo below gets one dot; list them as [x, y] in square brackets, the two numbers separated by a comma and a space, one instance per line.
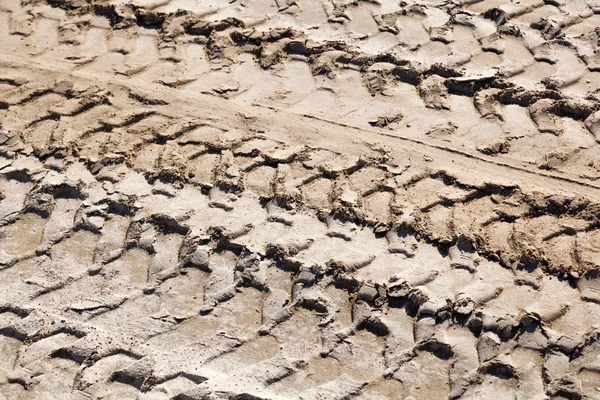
[299, 199]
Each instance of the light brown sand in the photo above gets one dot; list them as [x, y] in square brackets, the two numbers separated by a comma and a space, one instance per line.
[299, 199]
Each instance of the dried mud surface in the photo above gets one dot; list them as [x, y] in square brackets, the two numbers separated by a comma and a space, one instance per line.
[298, 199]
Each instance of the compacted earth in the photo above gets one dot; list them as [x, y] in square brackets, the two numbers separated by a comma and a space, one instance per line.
[299, 199]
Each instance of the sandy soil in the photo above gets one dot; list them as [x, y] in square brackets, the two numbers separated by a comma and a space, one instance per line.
[299, 199]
